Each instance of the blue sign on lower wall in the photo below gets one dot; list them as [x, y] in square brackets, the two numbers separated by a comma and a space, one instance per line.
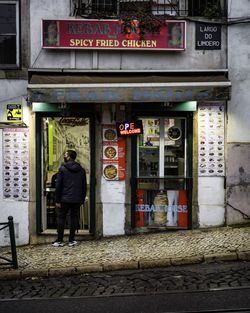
[203, 92]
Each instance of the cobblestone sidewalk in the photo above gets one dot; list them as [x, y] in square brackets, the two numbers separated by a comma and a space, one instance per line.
[132, 252]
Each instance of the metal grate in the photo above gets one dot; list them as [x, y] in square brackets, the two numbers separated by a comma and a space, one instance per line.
[13, 261]
[207, 8]
[164, 8]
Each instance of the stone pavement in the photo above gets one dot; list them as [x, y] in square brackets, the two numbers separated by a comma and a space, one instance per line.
[171, 279]
[131, 252]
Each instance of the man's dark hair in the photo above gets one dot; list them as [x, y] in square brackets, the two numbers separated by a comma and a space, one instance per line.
[72, 154]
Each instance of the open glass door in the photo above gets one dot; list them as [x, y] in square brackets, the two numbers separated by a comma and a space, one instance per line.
[60, 134]
[161, 195]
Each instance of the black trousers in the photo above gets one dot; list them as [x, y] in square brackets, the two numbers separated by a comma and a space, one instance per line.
[73, 209]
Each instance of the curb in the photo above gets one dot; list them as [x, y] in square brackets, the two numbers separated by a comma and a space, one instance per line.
[130, 265]
[243, 255]
[221, 257]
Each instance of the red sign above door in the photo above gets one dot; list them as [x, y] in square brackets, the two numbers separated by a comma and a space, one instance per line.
[108, 34]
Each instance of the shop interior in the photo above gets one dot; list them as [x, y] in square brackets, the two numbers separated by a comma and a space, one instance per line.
[161, 172]
[60, 134]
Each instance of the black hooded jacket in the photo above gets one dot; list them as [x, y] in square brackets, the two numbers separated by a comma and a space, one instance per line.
[71, 185]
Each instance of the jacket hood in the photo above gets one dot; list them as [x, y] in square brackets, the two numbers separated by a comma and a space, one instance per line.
[72, 166]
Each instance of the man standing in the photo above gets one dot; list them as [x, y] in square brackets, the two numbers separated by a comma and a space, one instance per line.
[71, 188]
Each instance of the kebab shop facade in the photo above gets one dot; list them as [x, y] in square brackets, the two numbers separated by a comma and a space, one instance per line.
[132, 131]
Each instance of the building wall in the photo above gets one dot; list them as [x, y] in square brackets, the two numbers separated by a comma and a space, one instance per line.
[210, 208]
[238, 135]
[190, 59]
[113, 199]
[13, 89]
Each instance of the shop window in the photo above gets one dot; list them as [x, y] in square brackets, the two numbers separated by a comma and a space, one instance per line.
[162, 147]
[206, 8]
[161, 174]
[104, 6]
[167, 8]
[94, 8]
[132, 6]
[9, 34]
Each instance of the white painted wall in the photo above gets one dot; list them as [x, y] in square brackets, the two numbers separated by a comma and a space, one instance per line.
[211, 199]
[239, 72]
[113, 199]
[238, 134]
[107, 60]
[12, 91]
[19, 211]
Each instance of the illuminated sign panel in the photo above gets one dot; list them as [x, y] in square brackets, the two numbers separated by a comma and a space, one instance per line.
[129, 128]
[109, 34]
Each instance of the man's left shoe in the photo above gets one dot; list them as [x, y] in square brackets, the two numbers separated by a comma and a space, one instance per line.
[72, 243]
[58, 244]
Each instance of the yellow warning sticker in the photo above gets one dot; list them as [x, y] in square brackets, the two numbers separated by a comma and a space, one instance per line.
[14, 112]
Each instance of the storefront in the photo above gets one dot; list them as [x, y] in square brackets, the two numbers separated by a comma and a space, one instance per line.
[154, 164]
[85, 77]
[135, 131]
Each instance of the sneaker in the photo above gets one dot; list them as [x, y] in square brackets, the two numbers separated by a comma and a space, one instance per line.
[58, 244]
[72, 243]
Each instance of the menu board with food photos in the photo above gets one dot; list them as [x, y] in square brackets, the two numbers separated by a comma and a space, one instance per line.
[16, 164]
[113, 156]
[211, 139]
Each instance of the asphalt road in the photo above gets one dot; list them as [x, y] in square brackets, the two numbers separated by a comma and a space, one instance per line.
[192, 288]
[214, 301]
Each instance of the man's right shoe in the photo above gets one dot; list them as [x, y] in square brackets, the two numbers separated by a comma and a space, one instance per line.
[58, 244]
[72, 243]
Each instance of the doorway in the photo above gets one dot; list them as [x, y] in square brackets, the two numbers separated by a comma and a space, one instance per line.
[57, 135]
[162, 173]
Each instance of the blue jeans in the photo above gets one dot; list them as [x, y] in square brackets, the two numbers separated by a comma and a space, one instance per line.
[73, 209]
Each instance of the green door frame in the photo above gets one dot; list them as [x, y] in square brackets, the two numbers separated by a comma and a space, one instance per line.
[39, 116]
